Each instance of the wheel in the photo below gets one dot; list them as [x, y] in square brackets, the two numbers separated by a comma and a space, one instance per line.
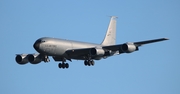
[63, 65]
[67, 65]
[85, 62]
[89, 63]
[60, 65]
[92, 63]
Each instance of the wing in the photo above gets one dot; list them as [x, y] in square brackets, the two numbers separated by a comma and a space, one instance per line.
[136, 44]
[78, 53]
[82, 54]
[149, 41]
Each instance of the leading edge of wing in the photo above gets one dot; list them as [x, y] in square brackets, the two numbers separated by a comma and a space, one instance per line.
[149, 41]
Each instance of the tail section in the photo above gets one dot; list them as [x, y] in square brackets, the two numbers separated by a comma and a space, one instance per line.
[110, 38]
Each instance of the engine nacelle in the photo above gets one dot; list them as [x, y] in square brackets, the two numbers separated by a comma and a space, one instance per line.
[35, 58]
[97, 52]
[22, 59]
[128, 48]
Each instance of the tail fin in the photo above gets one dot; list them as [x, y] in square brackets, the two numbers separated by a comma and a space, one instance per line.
[110, 38]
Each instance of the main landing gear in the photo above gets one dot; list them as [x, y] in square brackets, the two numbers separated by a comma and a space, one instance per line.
[63, 64]
[89, 63]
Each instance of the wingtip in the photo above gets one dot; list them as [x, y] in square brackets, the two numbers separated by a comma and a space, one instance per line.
[165, 38]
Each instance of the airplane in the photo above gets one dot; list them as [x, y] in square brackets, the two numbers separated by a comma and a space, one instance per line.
[62, 50]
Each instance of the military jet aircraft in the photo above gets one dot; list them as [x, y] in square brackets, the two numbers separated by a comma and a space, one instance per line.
[62, 50]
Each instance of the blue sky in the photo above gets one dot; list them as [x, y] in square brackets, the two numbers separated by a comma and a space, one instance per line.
[154, 69]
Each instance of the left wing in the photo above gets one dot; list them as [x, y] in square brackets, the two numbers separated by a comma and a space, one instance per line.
[132, 45]
[149, 41]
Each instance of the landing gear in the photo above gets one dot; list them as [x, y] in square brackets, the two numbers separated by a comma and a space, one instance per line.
[89, 62]
[46, 59]
[63, 65]
[92, 63]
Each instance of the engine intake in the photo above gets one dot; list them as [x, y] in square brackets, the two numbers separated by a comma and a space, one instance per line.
[97, 52]
[128, 48]
[35, 58]
[22, 59]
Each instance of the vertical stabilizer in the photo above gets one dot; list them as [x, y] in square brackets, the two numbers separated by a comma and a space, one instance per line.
[110, 38]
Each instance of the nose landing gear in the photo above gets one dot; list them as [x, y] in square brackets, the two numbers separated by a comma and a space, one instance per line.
[46, 59]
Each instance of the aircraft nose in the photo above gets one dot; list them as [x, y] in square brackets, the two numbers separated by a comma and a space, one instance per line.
[37, 44]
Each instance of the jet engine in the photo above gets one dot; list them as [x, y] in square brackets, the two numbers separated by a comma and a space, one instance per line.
[34, 58]
[22, 59]
[97, 52]
[129, 47]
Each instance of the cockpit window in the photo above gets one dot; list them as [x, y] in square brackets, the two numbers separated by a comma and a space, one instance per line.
[43, 41]
[40, 41]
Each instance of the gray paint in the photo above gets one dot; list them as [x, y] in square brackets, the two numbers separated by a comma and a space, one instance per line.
[61, 49]
[56, 47]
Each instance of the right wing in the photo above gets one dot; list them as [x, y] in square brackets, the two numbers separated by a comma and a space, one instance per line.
[79, 53]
